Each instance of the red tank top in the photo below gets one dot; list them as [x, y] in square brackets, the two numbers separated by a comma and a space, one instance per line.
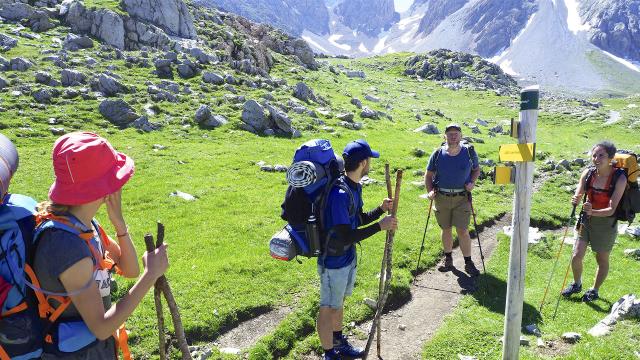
[599, 198]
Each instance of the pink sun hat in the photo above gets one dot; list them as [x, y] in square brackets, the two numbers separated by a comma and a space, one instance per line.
[87, 168]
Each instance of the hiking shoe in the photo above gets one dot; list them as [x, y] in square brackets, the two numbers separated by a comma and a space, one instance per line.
[343, 348]
[470, 268]
[590, 295]
[572, 289]
[447, 265]
[332, 356]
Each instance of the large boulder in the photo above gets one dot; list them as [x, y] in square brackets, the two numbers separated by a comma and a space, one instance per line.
[280, 119]
[44, 96]
[3, 84]
[104, 24]
[72, 77]
[118, 112]
[109, 27]
[15, 11]
[20, 64]
[73, 42]
[172, 16]
[206, 119]
[7, 42]
[253, 116]
[108, 85]
[40, 21]
[303, 92]
[212, 78]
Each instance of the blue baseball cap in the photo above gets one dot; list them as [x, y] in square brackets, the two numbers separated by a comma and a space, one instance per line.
[359, 150]
[8, 163]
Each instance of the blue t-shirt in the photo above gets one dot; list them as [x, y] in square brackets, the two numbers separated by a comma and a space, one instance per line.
[337, 213]
[453, 172]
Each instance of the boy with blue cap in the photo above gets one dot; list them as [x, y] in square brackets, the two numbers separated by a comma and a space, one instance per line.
[337, 268]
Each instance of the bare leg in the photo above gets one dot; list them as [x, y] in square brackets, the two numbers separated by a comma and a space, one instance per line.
[325, 323]
[602, 258]
[579, 251]
[447, 240]
[465, 240]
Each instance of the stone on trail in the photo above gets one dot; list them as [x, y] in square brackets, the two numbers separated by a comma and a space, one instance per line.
[633, 230]
[230, 350]
[280, 168]
[466, 357]
[571, 337]
[371, 303]
[183, 195]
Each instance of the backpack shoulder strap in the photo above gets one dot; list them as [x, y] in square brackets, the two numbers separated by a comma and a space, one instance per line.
[617, 172]
[352, 206]
[436, 155]
[589, 178]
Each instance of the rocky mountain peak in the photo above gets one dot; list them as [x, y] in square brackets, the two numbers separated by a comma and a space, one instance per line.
[615, 26]
[292, 16]
[368, 16]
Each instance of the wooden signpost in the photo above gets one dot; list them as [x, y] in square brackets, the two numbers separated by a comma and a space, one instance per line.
[520, 224]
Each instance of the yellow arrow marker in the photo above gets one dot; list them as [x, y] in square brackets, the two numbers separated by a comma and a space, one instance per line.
[517, 152]
[503, 175]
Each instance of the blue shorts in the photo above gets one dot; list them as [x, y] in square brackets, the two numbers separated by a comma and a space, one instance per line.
[336, 284]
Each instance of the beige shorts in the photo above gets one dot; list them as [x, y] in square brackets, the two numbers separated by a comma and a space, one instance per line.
[600, 233]
[452, 211]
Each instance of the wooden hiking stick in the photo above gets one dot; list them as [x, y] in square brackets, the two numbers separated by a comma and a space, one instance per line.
[387, 265]
[148, 240]
[387, 178]
[163, 284]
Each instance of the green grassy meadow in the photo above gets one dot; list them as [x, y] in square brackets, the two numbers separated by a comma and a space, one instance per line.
[221, 272]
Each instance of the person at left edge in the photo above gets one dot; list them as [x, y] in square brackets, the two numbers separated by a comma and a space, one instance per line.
[337, 268]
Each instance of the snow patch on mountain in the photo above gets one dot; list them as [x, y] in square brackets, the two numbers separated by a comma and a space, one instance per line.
[574, 21]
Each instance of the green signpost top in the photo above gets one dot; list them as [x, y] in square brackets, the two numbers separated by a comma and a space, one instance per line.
[529, 98]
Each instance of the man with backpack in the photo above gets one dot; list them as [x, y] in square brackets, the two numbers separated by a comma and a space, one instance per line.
[451, 174]
[337, 267]
[20, 335]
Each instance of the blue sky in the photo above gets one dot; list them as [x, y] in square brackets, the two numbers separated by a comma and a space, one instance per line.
[402, 5]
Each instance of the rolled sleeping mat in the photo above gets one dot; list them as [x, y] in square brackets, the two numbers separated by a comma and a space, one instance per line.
[304, 173]
[8, 163]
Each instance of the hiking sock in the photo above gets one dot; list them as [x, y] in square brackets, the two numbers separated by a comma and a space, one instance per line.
[447, 255]
[337, 337]
[467, 259]
[579, 282]
[329, 353]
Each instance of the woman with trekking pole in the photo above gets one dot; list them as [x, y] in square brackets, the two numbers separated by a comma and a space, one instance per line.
[75, 259]
[601, 187]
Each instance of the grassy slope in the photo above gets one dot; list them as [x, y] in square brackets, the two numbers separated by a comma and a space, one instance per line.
[220, 269]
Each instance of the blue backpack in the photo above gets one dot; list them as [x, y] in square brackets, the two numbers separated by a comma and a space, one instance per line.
[314, 172]
[20, 328]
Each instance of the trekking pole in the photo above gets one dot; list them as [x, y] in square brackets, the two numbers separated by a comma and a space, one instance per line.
[555, 263]
[388, 266]
[148, 240]
[423, 237]
[475, 225]
[164, 286]
[581, 220]
[387, 178]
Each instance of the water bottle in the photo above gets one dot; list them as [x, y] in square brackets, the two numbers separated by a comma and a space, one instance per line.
[313, 235]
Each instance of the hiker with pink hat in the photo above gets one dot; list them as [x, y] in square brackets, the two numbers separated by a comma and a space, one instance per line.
[75, 258]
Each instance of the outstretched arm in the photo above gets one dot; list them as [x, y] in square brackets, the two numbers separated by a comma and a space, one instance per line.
[89, 303]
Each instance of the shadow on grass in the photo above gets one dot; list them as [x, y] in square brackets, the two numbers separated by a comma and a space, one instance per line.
[492, 294]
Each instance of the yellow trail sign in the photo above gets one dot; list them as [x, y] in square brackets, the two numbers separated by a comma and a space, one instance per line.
[517, 152]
